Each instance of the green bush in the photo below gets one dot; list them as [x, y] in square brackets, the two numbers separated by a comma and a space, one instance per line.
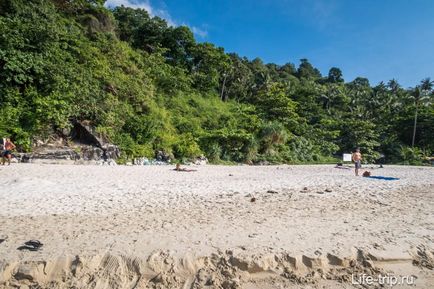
[186, 147]
[411, 156]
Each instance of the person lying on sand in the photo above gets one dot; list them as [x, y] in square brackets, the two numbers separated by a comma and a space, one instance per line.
[179, 169]
[7, 152]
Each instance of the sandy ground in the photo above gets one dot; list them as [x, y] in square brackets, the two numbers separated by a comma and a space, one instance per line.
[219, 227]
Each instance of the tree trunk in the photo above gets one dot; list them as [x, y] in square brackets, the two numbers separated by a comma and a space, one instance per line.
[414, 127]
[222, 96]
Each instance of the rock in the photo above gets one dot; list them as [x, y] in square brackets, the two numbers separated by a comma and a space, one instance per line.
[50, 153]
[107, 163]
[108, 151]
[141, 161]
[253, 200]
[328, 190]
[83, 133]
[202, 160]
[24, 158]
[230, 284]
[81, 142]
[162, 156]
[74, 153]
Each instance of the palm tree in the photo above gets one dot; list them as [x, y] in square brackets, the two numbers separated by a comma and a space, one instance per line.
[427, 84]
[420, 95]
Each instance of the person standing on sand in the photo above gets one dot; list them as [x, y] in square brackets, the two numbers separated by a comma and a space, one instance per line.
[357, 159]
[7, 153]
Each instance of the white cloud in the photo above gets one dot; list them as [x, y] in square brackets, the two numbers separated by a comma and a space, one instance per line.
[199, 32]
[131, 3]
[321, 14]
[166, 16]
[144, 4]
[162, 13]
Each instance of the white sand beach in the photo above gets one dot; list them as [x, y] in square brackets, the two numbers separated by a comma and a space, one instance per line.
[218, 227]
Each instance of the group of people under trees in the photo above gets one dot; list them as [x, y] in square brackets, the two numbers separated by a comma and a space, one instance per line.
[7, 147]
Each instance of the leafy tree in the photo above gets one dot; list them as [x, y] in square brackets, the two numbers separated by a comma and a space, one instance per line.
[240, 79]
[362, 134]
[335, 75]
[276, 104]
[180, 43]
[306, 70]
[129, 21]
[208, 66]
[272, 134]
[421, 96]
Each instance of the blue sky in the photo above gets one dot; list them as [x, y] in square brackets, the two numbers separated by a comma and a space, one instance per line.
[379, 40]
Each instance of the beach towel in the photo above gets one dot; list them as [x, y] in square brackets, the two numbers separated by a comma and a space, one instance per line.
[383, 178]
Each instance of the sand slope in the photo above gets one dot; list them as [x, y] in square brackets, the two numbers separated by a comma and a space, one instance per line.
[219, 227]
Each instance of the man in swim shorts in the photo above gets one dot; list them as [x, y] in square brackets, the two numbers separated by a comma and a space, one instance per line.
[357, 159]
[7, 152]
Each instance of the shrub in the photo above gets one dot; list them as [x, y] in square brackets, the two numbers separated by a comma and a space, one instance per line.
[411, 156]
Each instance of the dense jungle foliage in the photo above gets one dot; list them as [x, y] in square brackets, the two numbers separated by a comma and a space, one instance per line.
[148, 86]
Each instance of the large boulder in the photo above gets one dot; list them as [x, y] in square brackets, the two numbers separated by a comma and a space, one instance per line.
[162, 156]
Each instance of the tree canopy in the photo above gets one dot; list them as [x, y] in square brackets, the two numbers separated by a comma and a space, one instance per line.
[148, 86]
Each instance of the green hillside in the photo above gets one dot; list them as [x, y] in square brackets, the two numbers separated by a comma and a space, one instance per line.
[147, 86]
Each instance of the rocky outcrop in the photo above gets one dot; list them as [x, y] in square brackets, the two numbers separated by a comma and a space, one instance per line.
[65, 154]
[202, 160]
[105, 153]
[76, 153]
[79, 145]
[162, 156]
